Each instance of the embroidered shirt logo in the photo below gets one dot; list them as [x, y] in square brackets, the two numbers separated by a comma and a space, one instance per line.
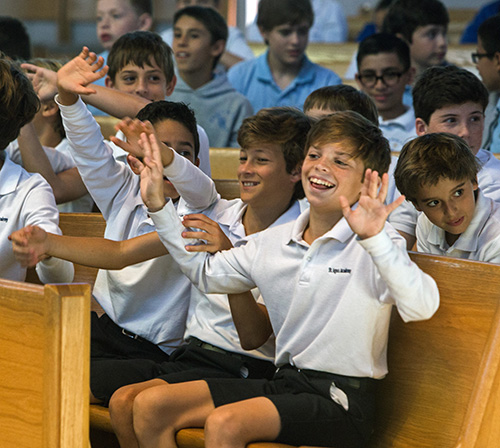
[339, 270]
[3, 219]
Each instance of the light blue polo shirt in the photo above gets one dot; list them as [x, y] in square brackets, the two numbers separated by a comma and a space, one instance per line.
[254, 79]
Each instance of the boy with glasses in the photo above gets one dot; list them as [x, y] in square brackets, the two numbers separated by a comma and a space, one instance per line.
[384, 71]
[487, 60]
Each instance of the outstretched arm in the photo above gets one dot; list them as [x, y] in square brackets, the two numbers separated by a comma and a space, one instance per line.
[32, 244]
[66, 185]
[369, 217]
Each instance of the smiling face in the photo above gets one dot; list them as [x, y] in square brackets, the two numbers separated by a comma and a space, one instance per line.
[148, 82]
[449, 204]
[264, 181]
[287, 43]
[388, 99]
[177, 136]
[193, 47]
[465, 120]
[115, 18]
[428, 46]
[328, 172]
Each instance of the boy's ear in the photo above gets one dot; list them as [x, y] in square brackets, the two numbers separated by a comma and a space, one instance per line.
[496, 59]
[49, 108]
[197, 162]
[218, 48]
[416, 205]
[171, 85]
[475, 185]
[421, 127]
[296, 173]
[145, 22]
[109, 83]
[411, 75]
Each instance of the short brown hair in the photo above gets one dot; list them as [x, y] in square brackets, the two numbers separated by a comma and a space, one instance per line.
[138, 48]
[364, 138]
[273, 13]
[342, 97]
[18, 101]
[284, 126]
[427, 159]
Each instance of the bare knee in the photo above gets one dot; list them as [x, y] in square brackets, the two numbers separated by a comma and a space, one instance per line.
[224, 427]
[122, 400]
[147, 410]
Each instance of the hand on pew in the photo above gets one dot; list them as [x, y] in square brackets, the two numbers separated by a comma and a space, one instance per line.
[30, 245]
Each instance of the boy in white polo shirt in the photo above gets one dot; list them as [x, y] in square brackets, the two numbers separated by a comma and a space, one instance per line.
[329, 283]
[451, 99]
[438, 174]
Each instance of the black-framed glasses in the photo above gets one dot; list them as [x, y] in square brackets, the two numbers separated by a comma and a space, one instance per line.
[477, 56]
[389, 78]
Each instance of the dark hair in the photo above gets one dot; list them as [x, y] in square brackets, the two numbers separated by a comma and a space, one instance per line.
[405, 16]
[142, 6]
[384, 43]
[489, 33]
[138, 47]
[273, 13]
[211, 20]
[18, 101]
[439, 86]
[427, 159]
[284, 126]
[14, 39]
[350, 128]
[159, 111]
[342, 97]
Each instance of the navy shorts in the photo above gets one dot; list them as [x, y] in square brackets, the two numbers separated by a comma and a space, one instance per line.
[308, 414]
[188, 363]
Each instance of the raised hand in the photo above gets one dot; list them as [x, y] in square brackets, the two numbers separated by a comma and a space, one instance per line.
[77, 74]
[210, 231]
[369, 217]
[30, 245]
[132, 129]
[44, 81]
[151, 172]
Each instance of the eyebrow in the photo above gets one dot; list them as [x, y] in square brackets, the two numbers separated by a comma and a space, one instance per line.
[186, 143]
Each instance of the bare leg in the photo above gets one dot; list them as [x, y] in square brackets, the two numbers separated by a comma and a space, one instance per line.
[161, 411]
[120, 409]
[237, 424]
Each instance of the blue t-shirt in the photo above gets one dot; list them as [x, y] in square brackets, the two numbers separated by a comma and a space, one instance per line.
[254, 79]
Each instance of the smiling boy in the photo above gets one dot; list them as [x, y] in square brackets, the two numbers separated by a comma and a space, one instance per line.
[438, 174]
[200, 36]
[283, 75]
[339, 268]
[384, 71]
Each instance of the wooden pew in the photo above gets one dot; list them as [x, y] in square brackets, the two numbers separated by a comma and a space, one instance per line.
[44, 365]
[443, 386]
[224, 162]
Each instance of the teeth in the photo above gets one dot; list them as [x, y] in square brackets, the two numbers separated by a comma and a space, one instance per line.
[249, 184]
[317, 181]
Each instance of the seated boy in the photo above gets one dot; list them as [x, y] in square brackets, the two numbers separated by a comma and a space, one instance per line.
[200, 36]
[487, 60]
[384, 71]
[24, 199]
[236, 49]
[451, 99]
[424, 26]
[136, 299]
[328, 279]
[438, 174]
[283, 76]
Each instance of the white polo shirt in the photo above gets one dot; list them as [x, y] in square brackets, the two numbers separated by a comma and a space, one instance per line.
[399, 130]
[151, 298]
[329, 303]
[480, 241]
[210, 316]
[27, 199]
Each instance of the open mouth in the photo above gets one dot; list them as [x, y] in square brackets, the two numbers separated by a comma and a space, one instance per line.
[456, 222]
[320, 183]
[248, 184]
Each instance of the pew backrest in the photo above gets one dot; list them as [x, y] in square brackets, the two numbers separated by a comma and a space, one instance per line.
[44, 365]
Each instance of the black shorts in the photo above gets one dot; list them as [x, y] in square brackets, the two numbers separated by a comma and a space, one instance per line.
[108, 340]
[308, 414]
[188, 363]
